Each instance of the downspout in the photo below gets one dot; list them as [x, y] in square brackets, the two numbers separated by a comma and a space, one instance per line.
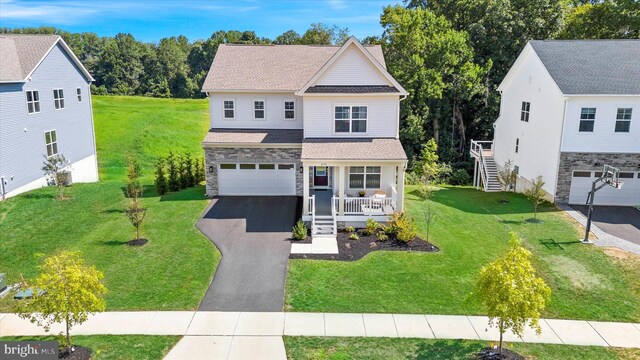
[93, 131]
[564, 117]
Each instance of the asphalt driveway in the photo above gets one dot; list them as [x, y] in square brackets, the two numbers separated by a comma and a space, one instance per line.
[251, 233]
[620, 221]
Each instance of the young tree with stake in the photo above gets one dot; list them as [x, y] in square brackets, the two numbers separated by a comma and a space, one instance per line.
[536, 194]
[55, 167]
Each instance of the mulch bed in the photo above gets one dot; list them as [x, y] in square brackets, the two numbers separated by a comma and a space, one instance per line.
[352, 250]
[492, 354]
[79, 353]
[137, 242]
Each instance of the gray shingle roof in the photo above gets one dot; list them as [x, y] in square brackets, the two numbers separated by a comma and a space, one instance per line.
[592, 67]
[253, 136]
[347, 89]
[19, 54]
[352, 149]
[270, 67]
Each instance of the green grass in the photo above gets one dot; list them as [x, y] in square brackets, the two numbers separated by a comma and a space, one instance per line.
[116, 347]
[316, 348]
[174, 269]
[471, 229]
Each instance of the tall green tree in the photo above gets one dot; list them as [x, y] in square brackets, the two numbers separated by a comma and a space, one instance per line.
[120, 66]
[321, 34]
[608, 19]
[289, 37]
[434, 62]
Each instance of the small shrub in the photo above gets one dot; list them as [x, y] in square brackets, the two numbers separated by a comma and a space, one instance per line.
[412, 178]
[371, 227]
[350, 229]
[424, 191]
[174, 173]
[382, 236]
[402, 226]
[200, 175]
[133, 187]
[442, 173]
[460, 177]
[354, 236]
[161, 179]
[299, 231]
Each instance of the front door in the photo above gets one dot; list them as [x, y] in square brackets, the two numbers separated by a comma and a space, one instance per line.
[321, 176]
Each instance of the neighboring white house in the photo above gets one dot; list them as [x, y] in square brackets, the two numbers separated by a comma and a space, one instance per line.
[45, 109]
[568, 108]
[320, 122]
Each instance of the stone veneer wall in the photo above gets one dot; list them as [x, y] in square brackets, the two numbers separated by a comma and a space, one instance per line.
[213, 156]
[585, 161]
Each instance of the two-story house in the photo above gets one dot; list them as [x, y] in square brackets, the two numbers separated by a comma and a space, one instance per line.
[45, 109]
[319, 122]
[569, 107]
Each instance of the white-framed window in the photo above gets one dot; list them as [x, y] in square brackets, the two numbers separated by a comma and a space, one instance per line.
[587, 119]
[79, 94]
[51, 142]
[259, 109]
[229, 109]
[364, 177]
[524, 112]
[58, 99]
[517, 144]
[33, 101]
[350, 119]
[623, 120]
[289, 110]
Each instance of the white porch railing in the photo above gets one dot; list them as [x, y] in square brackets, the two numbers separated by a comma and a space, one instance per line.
[367, 205]
[478, 150]
[394, 196]
[312, 209]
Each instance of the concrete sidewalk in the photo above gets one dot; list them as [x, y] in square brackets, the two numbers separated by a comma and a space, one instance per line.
[251, 324]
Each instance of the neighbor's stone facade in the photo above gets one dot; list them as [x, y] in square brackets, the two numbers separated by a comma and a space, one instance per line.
[570, 162]
[214, 156]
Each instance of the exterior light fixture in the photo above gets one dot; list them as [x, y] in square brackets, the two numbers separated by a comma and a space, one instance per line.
[210, 169]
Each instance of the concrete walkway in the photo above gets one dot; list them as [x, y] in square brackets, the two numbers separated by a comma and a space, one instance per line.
[231, 334]
[252, 235]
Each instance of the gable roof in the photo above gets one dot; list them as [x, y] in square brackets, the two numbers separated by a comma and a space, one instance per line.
[349, 43]
[271, 67]
[592, 67]
[21, 54]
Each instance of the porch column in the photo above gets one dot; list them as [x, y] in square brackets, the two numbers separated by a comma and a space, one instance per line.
[305, 190]
[400, 188]
[340, 190]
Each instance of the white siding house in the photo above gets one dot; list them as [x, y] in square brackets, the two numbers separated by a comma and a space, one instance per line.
[319, 122]
[567, 109]
[46, 109]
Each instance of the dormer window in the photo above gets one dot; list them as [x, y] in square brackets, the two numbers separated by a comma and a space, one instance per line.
[258, 109]
[350, 119]
[229, 109]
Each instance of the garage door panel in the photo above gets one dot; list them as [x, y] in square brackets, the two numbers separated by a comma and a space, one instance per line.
[628, 195]
[256, 181]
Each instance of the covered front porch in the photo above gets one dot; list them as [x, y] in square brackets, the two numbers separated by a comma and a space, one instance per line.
[353, 191]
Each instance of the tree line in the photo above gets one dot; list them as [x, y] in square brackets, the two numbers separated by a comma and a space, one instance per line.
[449, 54]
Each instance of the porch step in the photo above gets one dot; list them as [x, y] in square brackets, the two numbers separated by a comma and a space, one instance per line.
[324, 225]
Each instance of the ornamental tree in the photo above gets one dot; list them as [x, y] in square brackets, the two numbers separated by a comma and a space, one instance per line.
[66, 291]
[512, 292]
[536, 194]
[57, 168]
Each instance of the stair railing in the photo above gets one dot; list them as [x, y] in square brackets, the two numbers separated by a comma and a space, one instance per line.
[477, 150]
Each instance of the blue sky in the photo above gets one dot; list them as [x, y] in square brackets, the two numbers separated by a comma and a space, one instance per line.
[151, 20]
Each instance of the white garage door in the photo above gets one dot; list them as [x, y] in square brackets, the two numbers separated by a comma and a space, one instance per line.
[628, 195]
[256, 179]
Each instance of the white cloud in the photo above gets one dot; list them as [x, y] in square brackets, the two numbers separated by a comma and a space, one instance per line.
[337, 4]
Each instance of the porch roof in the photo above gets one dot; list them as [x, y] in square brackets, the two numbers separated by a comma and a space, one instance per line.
[352, 149]
[253, 136]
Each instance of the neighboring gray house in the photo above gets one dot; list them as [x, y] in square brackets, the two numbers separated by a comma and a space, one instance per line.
[568, 108]
[319, 122]
[45, 109]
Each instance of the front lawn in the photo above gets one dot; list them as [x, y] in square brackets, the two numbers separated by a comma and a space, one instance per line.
[301, 348]
[116, 347]
[471, 229]
[172, 271]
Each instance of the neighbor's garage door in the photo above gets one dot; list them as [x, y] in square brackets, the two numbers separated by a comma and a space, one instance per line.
[256, 179]
[628, 195]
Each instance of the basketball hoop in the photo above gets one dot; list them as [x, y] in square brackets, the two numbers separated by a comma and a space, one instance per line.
[610, 177]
